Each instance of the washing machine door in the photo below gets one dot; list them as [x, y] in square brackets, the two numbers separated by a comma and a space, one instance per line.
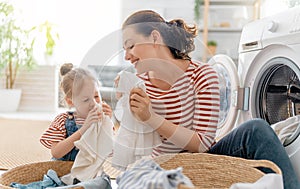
[273, 79]
[229, 87]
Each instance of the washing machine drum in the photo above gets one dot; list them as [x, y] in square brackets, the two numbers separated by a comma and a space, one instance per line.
[278, 98]
[279, 94]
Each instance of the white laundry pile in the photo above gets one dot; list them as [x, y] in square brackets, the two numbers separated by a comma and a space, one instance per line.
[284, 129]
[95, 145]
[134, 139]
[268, 181]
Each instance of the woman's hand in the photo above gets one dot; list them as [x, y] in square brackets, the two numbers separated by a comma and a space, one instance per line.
[94, 116]
[140, 104]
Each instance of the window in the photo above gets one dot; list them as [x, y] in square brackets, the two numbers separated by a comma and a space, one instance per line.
[80, 24]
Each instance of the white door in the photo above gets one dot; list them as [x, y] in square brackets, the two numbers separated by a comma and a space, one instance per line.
[229, 87]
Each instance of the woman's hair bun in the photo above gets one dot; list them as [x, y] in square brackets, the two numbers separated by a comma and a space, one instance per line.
[65, 68]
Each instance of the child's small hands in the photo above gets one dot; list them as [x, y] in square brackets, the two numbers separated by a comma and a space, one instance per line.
[94, 116]
[106, 109]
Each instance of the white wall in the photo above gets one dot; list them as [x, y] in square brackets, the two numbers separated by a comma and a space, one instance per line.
[169, 9]
[82, 23]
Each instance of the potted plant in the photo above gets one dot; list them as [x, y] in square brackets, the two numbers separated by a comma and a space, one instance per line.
[50, 37]
[16, 51]
[212, 47]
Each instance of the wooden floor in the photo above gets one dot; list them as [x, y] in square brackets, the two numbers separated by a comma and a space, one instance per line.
[19, 142]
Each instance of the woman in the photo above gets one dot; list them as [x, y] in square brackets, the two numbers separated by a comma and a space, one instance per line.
[181, 101]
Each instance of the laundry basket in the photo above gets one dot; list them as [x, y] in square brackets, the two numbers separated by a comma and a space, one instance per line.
[32, 172]
[215, 171]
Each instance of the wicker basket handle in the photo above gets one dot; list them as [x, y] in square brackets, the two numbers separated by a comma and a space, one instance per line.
[264, 163]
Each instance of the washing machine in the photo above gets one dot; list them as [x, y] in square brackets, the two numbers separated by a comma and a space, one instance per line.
[265, 84]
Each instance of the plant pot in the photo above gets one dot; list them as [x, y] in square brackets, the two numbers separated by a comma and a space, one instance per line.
[9, 99]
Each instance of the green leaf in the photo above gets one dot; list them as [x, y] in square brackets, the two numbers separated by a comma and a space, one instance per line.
[16, 46]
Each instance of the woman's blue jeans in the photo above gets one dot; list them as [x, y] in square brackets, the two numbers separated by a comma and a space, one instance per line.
[255, 139]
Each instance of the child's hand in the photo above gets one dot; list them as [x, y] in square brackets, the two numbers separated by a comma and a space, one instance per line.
[106, 109]
[94, 116]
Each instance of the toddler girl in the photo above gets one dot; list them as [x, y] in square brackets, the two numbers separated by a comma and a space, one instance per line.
[81, 90]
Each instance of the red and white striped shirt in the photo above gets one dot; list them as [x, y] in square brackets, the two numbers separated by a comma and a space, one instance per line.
[57, 132]
[192, 102]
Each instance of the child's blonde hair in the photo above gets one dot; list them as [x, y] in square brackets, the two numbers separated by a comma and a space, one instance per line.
[72, 79]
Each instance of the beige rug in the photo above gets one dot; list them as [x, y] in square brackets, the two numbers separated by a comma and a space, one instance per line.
[19, 142]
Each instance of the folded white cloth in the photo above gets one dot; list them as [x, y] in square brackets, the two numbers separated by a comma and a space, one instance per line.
[268, 181]
[134, 139]
[286, 128]
[95, 145]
